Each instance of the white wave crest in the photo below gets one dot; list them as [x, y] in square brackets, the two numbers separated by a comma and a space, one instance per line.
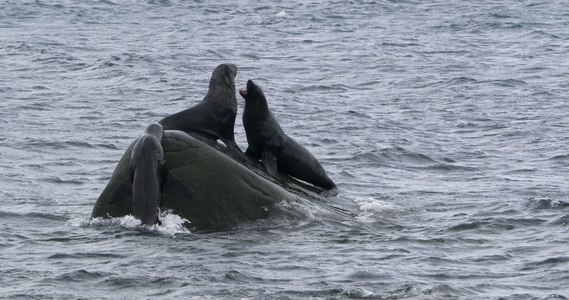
[372, 209]
[170, 223]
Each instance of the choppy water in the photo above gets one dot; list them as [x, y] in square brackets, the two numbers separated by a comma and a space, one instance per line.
[445, 121]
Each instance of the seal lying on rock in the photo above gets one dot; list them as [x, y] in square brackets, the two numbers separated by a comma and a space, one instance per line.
[148, 177]
[214, 117]
[277, 151]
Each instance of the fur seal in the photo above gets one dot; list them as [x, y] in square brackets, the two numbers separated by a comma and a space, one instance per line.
[277, 151]
[148, 176]
[215, 115]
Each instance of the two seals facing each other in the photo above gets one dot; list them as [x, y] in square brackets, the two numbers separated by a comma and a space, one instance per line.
[215, 117]
[276, 150]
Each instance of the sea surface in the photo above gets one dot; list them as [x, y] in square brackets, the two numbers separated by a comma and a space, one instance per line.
[446, 122]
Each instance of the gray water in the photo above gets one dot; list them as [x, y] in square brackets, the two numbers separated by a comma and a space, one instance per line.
[444, 121]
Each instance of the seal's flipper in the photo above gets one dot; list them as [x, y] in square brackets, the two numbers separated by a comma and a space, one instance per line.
[174, 185]
[270, 162]
[123, 190]
[232, 145]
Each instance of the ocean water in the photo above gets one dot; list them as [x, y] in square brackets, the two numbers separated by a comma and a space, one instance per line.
[446, 122]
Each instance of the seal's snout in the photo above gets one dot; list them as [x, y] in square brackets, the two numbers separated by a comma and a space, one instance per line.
[156, 130]
[250, 84]
[250, 89]
[233, 69]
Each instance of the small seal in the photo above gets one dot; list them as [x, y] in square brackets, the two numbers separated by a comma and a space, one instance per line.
[277, 151]
[148, 176]
[214, 116]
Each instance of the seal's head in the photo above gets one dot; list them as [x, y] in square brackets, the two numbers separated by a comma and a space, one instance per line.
[224, 74]
[253, 93]
[155, 130]
[232, 69]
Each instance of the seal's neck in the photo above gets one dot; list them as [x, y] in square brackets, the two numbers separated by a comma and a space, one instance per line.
[223, 78]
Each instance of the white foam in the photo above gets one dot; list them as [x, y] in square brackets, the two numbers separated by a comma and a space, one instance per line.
[171, 224]
[129, 222]
[281, 14]
[372, 209]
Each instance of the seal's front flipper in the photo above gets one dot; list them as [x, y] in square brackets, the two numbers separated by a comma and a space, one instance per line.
[175, 186]
[270, 162]
[232, 145]
[123, 190]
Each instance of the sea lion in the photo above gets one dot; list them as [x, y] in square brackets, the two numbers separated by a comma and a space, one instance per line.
[148, 176]
[277, 151]
[214, 117]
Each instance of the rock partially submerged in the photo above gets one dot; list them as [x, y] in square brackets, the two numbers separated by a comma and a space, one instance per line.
[225, 191]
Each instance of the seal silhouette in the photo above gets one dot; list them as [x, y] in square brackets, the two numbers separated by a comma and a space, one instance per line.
[148, 177]
[214, 116]
[277, 151]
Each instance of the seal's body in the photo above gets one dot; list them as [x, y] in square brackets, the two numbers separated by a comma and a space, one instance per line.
[274, 148]
[215, 115]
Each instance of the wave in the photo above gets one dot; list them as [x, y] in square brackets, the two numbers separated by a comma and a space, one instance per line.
[545, 203]
[397, 154]
[30, 217]
[561, 221]
[82, 276]
[548, 263]
[401, 157]
[59, 180]
[85, 255]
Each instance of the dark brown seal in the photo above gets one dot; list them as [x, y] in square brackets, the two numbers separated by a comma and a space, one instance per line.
[148, 177]
[277, 151]
[215, 115]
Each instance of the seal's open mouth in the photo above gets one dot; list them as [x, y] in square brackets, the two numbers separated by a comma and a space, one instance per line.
[250, 87]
